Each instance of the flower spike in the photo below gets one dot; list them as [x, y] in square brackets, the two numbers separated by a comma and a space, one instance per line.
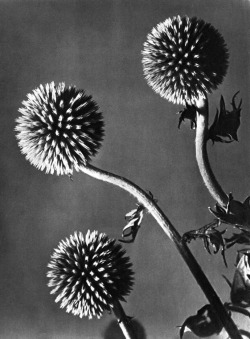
[89, 274]
[59, 129]
[184, 58]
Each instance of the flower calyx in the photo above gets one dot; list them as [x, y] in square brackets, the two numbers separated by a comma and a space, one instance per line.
[226, 123]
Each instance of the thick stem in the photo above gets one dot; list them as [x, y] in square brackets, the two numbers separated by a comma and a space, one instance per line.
[123, 321]
[173, 234]
[202, 157]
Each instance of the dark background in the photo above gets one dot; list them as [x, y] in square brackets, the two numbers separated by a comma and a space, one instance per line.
[96, 45]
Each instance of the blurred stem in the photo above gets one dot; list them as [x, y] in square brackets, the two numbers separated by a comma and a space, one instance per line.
[123, 321]
[201, 154]
[245, 333]
[238, 309]
[148, 202]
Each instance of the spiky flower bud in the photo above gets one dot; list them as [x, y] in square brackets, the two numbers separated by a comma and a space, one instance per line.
[89, 273]
[184, 58]
[59, 129]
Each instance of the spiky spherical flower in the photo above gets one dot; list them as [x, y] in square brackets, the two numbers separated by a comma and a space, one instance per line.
[89, 273]
[184, 58]
[59, 129]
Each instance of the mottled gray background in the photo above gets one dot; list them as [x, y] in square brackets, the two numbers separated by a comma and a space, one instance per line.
[96, 45]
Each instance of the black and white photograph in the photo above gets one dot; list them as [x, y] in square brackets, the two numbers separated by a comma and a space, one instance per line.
[125, 169]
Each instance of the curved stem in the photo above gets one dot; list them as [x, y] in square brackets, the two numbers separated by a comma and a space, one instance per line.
[202, 157]
[123, 321]
[173, 234]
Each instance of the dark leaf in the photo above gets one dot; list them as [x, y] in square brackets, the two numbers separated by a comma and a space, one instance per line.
[226, 124]
[204, 324]
[242, 238]
[188, 113]
[235, 213]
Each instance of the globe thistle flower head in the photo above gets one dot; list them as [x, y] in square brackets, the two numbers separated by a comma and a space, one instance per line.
[184, 58]
[59, 129]
[89, 273]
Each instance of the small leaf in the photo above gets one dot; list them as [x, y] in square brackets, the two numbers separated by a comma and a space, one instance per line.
[210, 236]
[131, 213]
[225, 126]
[188, 113]
[134, 218]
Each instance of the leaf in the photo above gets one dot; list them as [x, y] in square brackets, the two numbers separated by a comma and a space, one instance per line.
[210, 236]
[204, 324]
[134, 218]
[225, 126]
[189, 112]
[242, 238]
[235, 213]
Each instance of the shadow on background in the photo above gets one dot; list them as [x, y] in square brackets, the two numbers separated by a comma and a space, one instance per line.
[113, 330]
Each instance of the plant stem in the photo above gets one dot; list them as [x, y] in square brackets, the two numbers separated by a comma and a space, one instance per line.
[173, 234]
[202, 157]
[123, 321]
[238, 309]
